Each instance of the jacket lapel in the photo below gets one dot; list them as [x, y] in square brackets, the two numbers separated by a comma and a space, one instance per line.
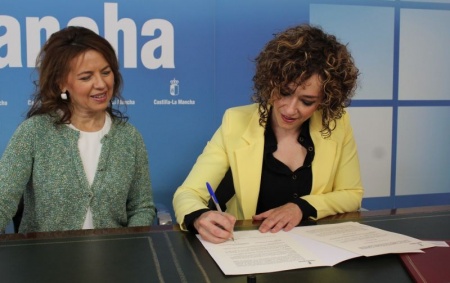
[249, 158]
[248, 166]
[325, 153]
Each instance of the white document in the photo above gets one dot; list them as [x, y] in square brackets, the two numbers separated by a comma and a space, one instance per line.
[362, 239]
[254, 252]
[307, 246]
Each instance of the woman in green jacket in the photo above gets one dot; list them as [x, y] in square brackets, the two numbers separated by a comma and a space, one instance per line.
[75, 161]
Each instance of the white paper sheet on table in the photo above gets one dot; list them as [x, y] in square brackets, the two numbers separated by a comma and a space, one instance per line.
[306, 246]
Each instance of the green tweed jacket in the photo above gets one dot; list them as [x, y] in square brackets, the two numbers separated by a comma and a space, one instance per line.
[42, 163]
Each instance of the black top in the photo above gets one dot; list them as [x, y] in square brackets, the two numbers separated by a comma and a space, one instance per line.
[279, 185]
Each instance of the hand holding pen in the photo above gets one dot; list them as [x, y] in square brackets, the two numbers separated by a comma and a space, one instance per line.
[215, 226]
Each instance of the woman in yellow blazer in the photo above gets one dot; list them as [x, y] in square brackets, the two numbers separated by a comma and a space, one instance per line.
[291, 155]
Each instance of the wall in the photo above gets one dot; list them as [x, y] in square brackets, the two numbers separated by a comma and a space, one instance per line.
[185, 62]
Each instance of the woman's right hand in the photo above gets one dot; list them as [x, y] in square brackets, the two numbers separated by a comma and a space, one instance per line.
[215, 227]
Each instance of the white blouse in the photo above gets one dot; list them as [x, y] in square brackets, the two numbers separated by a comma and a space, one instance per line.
[89, 145]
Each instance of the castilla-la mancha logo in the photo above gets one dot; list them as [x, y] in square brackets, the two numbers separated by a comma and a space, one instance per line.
[174, 87]
[174, 90]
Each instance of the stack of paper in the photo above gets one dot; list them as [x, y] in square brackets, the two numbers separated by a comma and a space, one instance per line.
[309, 246]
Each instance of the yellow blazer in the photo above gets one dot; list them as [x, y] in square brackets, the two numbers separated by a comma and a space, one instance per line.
[239, 144]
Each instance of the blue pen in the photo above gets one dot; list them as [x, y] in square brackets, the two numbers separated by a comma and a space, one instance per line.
[216, 202]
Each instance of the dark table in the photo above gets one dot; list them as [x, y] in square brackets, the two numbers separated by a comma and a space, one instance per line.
[166, 254]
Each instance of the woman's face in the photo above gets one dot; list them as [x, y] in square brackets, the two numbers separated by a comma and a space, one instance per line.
[90, 83]
[289, 112]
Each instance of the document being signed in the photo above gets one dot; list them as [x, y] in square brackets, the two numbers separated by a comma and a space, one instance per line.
[308, 246]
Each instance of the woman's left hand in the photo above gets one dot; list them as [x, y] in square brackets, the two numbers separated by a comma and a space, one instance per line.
[283, 217]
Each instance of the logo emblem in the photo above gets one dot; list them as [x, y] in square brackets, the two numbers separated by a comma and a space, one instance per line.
[174, 87]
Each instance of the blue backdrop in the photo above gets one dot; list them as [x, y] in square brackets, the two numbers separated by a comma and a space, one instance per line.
[185, 62]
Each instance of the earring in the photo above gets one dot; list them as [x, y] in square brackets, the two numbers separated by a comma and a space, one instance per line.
[63, 95]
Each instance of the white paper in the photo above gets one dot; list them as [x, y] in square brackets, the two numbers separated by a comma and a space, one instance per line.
[362, 239]
[439, 243]
[254, 252]
[307, 246]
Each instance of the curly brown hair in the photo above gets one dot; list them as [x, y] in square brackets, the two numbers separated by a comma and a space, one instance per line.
[296, 54]
[53, 67]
